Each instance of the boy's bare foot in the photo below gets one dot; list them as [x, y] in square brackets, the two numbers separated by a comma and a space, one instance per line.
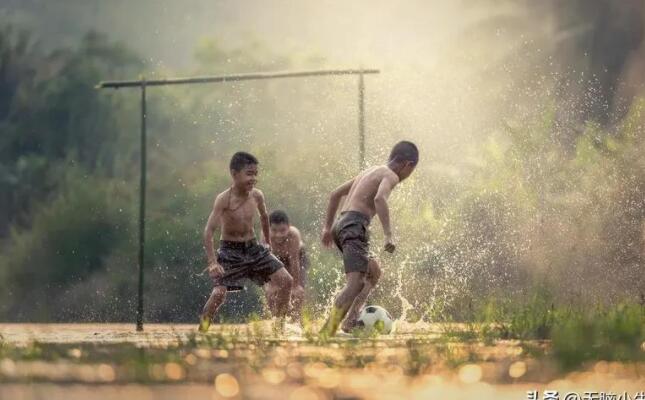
[204, 323]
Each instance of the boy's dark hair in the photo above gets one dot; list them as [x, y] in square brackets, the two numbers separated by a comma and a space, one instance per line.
[405, 151]
[278, 217]
[241, 159]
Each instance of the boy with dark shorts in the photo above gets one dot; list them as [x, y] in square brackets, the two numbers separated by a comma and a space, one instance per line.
[290, 249]
[367, 196]
[240, 255]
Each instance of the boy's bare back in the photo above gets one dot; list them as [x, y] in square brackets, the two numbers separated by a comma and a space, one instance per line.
[365, 187]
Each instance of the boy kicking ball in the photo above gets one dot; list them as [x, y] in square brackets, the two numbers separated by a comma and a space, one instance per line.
[367, 195]
[239, 254]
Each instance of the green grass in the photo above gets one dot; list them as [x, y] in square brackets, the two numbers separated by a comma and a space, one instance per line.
[610, 334]
[570, 335]
[576, 335]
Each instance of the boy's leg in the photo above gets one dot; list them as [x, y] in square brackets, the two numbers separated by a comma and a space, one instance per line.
[352, 238]
[217, 297]
[269, 292]
[371, 279]
[297, 301]
[298, 294]
[354, 285]
[278, 292]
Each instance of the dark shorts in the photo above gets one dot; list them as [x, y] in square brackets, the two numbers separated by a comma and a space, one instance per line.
[351, 235]
[304, 265]
[246, 260]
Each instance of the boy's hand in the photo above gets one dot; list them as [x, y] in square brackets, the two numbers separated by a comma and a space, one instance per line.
[267, 244]
[215, 271]
[389, 244]
[327, 238]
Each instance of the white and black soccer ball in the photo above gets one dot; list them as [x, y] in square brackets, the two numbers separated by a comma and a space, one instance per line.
[377, 318]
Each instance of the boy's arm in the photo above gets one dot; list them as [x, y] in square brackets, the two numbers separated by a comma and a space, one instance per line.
[212, 224]
[332, 207]
[264, 217]
[382, 210]
[294, 256]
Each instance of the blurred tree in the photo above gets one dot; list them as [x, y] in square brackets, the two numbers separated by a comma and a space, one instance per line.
[594, 42]
[49, 113]
[18, 63]
[578, 52]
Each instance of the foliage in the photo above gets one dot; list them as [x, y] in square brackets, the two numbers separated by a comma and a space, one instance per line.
[511, 209]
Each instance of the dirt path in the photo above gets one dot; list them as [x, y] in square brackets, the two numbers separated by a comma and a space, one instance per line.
[112, 361]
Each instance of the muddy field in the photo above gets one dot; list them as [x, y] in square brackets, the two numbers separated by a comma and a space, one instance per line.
[253, 361]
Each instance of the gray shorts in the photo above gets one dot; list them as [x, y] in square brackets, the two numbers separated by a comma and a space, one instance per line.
[351, 235]
[246, 260]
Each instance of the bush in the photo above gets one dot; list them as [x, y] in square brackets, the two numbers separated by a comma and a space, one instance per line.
[67, 242]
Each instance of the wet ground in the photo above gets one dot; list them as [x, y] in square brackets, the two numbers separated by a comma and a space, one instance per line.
[254, 361]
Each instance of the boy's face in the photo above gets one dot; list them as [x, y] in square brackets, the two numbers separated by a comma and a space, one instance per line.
[407, 169]
[279, 232]
[246, 178]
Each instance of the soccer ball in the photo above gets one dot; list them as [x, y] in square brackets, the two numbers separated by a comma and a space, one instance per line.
[377, 318]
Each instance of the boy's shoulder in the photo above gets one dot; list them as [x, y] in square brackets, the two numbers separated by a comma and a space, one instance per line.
[370, 170]
[257, 193]
[295, 232]
[366, 172]
[391, 175]
[221, 196]
[382, 171]
[223, 193]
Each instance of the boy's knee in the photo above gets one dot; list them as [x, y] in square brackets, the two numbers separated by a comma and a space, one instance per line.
[284, 279]
[219, 291]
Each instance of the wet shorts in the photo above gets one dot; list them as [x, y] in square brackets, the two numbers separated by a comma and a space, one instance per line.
[246, 260]
[351, 235]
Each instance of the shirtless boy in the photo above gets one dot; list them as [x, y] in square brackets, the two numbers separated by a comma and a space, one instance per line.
[287, 245]
[240, 255]
[367, 195]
